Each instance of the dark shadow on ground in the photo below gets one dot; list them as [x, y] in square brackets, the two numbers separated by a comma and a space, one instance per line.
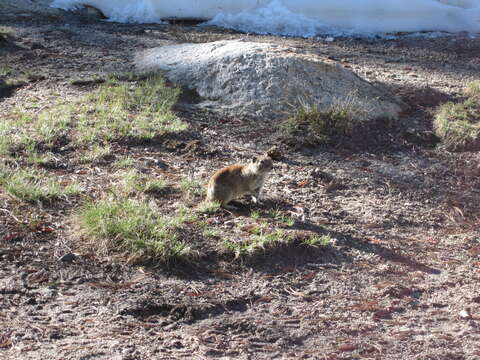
[346, 240]
[294, 254]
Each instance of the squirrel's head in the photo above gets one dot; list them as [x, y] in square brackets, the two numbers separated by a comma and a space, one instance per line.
[263, 163]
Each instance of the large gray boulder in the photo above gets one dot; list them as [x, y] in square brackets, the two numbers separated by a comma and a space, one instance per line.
[261, 79]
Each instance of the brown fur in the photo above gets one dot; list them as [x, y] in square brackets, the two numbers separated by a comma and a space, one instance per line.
[234, 181]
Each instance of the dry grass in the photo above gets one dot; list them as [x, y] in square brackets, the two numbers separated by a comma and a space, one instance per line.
[324, 124]
[458, 124]
[473, 89]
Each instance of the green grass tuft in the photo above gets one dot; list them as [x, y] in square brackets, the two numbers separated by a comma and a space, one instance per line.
[29, 186]
[129, 112]
[325, 123]
[94, 80]
[5, 70]
[15, 83]
[336, 120]
[473, 89]
[318, 241]
[5, 34]
[96, 153]
[183, 216]
[156, 186]
[209, 232]
[257, 242]
[41, 159]
[131, 181]
[207, 207]
[458, 125]
[30, 133]
[279, 216]
[132, 226]
[255, 214]
[191, 187]
[139, 110]
[5, 138]
[124, 162]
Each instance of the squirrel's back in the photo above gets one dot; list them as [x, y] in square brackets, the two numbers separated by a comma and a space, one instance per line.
[234, 181]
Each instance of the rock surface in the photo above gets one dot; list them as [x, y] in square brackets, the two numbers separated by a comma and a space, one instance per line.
[261, 79]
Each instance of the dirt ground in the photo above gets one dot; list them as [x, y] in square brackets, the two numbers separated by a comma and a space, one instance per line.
[400, 280]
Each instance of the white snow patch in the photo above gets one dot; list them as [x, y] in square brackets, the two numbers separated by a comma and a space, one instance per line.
[275, 19]
[354, 17]
[116, 11]
[304, 18]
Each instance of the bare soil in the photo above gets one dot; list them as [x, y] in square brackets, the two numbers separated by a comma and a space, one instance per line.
[400, 280]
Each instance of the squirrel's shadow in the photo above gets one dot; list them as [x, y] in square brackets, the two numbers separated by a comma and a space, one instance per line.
[296, 254]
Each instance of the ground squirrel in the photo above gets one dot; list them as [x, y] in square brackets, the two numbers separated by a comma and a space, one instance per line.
[234, 181]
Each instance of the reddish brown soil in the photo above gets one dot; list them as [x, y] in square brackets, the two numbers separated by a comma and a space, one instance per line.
[399, 281]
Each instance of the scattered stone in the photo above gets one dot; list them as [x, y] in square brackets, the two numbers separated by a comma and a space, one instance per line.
[465, 314]
[30, 301]
[69, 257]
[321, 175]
